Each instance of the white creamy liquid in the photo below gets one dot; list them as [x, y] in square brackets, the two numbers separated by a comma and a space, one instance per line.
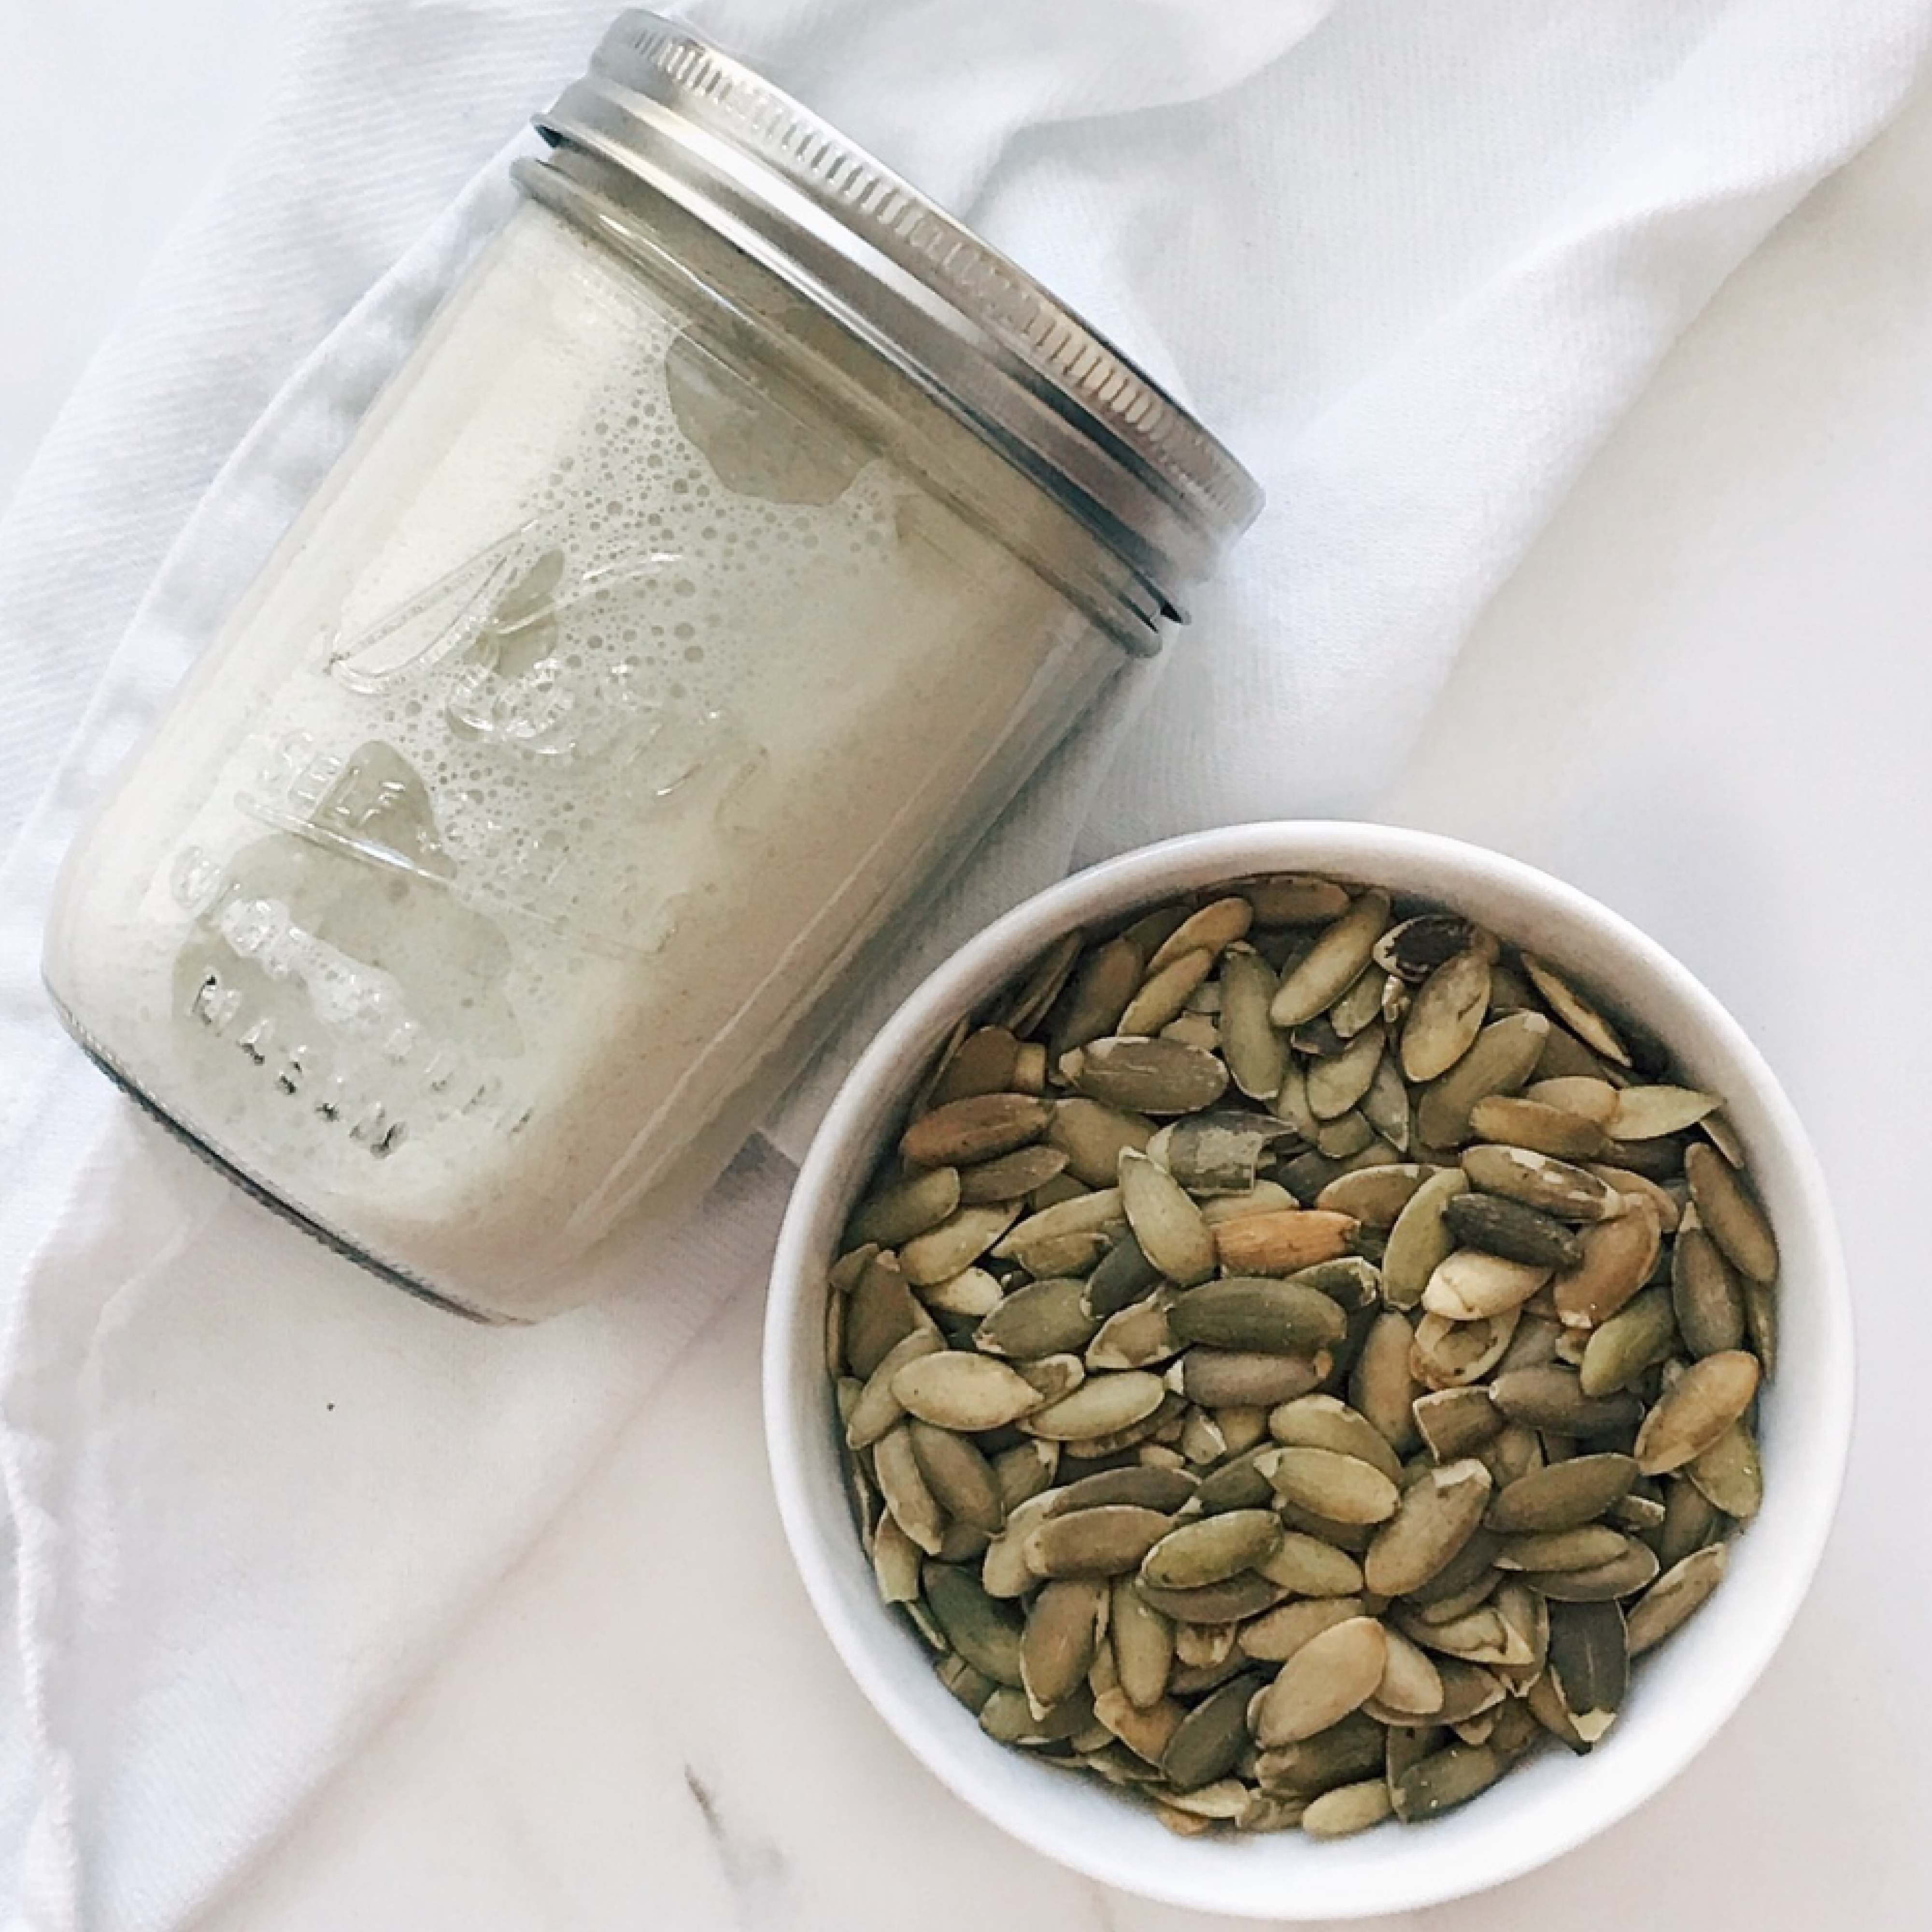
[545, 778]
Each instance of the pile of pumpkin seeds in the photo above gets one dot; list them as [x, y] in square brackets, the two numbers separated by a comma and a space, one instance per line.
[1299, 1351]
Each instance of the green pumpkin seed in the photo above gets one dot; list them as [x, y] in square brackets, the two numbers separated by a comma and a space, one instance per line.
[960, 1478]
[1325, 1422]
[1045, 1318]
[985, 1631]
[879, 1314]
[908, 1501]
[1706, 1295]
[1734, 1221]
[955, 1389]
[1342, 1488]
[1208, 1742]
[1159, 1077]
[1580, 1014]
[1589, 1665]
[1445, 1015]
[1638, 1336]
[955, 1244]
[1435, 1516]
[1563, 1496]
[1670, 1602]
[1455, 1422]
[1165, 1221]
[1502, 1058]
[1330, 965]
[1517, 1121]
[1348, 1809]
[1219, 1378]
[1729, 1473]
[1295, 898]
[1009, 1176]
[906, 1207]
[1102, 1405]
[1059, 1638]
[1632, 1570]
[1257, 1315]
[1337, 1085]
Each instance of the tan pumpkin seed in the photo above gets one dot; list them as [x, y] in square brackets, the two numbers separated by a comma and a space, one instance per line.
[1411, 1686]
[1381, 1385]
[1004, 1571]
[1138, 1336]
[1516, 1121]
[1143, 1644]
[895, 1561]
[1310, 1567]
[1331, 1675]
[1469, 1286]
[1696, 1409]
[1650, 1113]
[1444, 1353]
[1105, 1540]
[1282, 1242]
[1342, 1488]
[1582, 1094]
[1211, 1550]
[1051, 1376]
[1159, 1077]
[1634, 1568]
[1277, 1634]
[1504, 1056]
[1373, 1197]
[1619, 1256]
[1670, 1602]
[1265, 1197]
[1583, 1548]
[1734, 1220]
[1256, 1055]
[969, 1294]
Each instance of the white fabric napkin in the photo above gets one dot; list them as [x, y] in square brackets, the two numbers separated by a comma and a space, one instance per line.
[1411, 257]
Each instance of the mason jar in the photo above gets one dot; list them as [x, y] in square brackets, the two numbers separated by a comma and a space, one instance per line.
[739, 536]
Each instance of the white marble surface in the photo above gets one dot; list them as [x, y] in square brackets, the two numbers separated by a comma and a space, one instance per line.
[1704, 697]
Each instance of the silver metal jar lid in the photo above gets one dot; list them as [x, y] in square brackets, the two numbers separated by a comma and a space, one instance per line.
[973, 330]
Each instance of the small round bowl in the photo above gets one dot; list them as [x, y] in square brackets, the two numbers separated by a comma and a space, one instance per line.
[1680, 1693]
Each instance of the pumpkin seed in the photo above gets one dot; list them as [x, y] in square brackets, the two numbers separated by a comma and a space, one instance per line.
[1696, 1409]
[1670, 1602]
[1155, 1215]
[1326, 970]
[1147, 1076]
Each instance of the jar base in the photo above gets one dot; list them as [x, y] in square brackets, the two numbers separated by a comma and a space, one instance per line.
[315, 1230]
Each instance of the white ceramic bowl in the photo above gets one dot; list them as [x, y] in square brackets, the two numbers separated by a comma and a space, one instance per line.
[1680, 1694]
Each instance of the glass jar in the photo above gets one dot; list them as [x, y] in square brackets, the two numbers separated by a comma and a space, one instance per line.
[740, 534]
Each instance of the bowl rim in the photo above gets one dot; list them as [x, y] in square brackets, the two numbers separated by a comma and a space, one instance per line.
[1430, 864]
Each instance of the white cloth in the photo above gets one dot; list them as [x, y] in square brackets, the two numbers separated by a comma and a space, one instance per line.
[1412, 260]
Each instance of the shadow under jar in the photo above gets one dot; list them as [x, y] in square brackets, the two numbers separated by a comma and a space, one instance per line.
[737, 538]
